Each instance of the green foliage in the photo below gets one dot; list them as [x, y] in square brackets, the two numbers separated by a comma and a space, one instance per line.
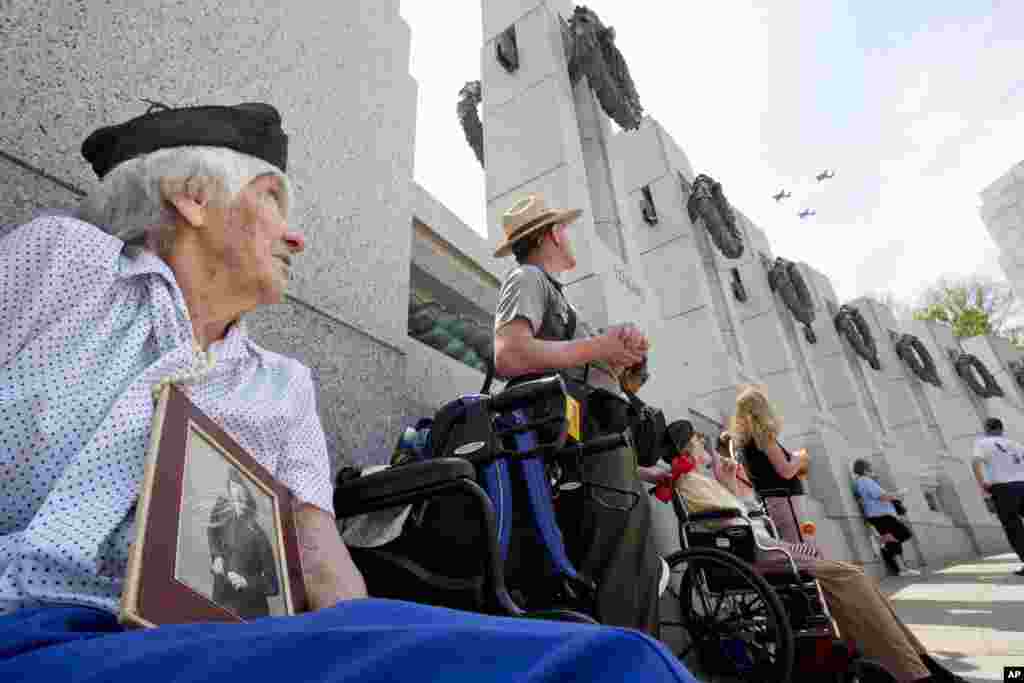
[933, 312]
[972, 307]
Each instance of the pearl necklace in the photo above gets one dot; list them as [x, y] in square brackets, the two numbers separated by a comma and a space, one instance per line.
[203, 363]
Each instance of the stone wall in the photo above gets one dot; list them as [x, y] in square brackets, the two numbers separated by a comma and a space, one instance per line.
[919, 437]
[338, 72]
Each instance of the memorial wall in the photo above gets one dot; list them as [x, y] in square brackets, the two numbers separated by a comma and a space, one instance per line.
[391, 304]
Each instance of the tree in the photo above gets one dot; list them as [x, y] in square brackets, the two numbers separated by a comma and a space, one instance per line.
[973, 306]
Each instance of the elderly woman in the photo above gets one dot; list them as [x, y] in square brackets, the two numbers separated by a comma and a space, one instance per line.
[863, 614]
[185, 234]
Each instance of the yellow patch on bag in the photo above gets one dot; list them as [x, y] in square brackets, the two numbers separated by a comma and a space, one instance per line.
[572, 413]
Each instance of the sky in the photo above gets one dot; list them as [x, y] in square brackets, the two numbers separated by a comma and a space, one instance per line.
[917, 105]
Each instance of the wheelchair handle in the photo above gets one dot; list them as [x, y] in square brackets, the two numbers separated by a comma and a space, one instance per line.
[525, 394]
[600, 444]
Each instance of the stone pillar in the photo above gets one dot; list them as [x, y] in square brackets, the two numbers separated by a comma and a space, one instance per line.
[785, 360]
[848, 398]
[938, 480]
[543, 135]
[997, 354]
[958, 418]
[912, 448]
[339, 75]
[696, 360]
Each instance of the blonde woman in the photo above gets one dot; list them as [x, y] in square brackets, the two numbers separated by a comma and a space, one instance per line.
[754, 429]
[863, 613]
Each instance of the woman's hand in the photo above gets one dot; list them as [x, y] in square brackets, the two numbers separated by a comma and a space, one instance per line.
[785, 466]
[725, 473]
[805, 462]
[654, 475]
[729, 466]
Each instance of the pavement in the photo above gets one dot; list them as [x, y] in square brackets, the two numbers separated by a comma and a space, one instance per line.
[970, 615]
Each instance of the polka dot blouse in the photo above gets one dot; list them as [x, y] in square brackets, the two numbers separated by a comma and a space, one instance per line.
[88, 327]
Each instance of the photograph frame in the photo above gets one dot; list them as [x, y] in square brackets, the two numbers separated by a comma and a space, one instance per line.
[154, 593]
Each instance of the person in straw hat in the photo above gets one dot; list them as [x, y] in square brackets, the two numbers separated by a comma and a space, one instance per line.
[537, 331]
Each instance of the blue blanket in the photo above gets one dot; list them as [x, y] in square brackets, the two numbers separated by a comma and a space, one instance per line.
[361, 640]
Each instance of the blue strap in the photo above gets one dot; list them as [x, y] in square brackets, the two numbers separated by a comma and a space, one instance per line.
[498, 486]
[539, 491]
[497, 483]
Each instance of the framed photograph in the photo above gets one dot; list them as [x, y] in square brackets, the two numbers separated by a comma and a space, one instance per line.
[215, 532]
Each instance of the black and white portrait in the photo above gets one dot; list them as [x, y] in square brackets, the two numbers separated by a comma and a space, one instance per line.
[227, 549]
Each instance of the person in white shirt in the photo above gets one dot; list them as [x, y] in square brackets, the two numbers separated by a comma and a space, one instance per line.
[999, 468]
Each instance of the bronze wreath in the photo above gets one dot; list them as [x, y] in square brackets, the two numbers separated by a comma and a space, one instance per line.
[851, 324]
[708, 202]
[915, 354]
[590, 51]
[785, 277]
[989, 388]
[1017, 370]
[469, 117]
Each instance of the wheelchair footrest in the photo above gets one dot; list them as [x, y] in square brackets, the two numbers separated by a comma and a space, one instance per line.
[820, 656]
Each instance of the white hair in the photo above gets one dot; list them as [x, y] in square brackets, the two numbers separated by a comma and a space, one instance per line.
[130, 204]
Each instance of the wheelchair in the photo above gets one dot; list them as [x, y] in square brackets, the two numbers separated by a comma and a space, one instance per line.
[463, 545]
[736, 621]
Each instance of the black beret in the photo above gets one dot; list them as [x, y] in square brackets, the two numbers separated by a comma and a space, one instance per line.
[678, 434]
[252, 128]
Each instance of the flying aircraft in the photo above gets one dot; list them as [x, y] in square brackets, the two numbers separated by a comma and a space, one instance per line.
[807, 212]
[782, 194]
[825, 175]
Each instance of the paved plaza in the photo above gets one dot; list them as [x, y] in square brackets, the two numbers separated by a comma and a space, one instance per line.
[970, 615]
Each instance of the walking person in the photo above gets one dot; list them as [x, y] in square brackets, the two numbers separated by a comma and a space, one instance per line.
[998, 466]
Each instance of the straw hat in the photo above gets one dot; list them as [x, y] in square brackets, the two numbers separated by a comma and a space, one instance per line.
[528, 216]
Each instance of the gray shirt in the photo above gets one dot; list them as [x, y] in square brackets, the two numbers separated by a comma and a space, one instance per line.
[530, 294]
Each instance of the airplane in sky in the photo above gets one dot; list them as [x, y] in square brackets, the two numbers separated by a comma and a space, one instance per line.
[825, 175]
[807, 212]
[782, 194]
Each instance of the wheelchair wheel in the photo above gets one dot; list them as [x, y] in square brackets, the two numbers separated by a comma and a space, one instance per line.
[723, 620]
[868, 671]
